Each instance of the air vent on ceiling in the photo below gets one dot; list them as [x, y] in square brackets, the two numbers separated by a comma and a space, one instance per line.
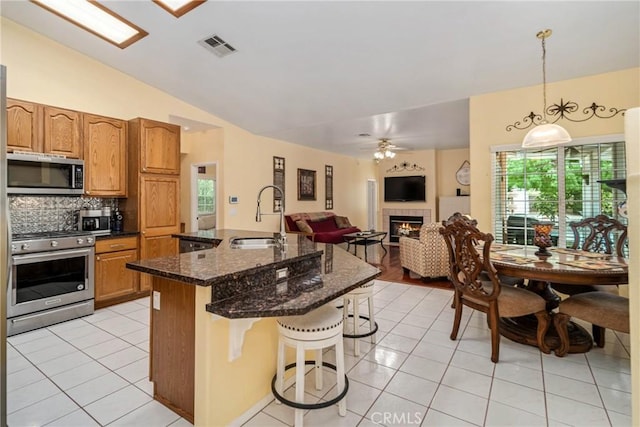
[217, 45]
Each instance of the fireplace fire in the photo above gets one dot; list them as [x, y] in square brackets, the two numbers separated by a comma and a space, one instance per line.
[407, 226]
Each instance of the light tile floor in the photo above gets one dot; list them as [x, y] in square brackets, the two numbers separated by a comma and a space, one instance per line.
[86, 372]
[93, 371]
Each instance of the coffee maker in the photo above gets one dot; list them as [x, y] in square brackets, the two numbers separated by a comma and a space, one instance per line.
[117, 220]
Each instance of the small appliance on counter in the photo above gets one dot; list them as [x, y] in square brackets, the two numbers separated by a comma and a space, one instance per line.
[117, 221]
[95, 221]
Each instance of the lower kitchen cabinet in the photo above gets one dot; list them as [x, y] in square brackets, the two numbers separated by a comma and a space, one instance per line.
[114, 283]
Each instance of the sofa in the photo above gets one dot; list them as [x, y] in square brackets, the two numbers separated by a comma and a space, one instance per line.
[428, 255]
[322, 227]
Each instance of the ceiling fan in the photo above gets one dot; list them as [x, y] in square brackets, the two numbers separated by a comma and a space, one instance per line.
[385, 150]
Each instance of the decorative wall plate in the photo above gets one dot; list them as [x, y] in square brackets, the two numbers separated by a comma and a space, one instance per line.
[463, 175]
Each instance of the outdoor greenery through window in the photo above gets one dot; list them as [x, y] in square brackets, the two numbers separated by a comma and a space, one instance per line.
[206, 196]
[559, 185]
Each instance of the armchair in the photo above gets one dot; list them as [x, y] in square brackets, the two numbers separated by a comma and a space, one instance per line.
[427, 255]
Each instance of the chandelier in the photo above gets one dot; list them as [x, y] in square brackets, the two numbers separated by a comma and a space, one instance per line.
[545, 134]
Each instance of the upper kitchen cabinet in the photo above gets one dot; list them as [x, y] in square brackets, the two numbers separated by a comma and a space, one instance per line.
[159, 146]
[62, 132]
[105, 156]
[24, 130]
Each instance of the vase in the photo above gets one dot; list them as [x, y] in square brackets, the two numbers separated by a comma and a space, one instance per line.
[542, 238]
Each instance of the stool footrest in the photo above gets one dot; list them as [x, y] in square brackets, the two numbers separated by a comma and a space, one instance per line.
[319, 405]
[365, 334]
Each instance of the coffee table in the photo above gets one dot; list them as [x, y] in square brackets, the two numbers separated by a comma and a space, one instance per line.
[365, 238]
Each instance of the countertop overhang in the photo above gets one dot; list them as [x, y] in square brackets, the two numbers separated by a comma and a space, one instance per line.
[245, 284]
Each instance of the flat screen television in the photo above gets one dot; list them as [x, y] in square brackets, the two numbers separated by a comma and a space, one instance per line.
[405, 188]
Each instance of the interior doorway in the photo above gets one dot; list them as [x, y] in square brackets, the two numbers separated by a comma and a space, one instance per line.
[372, 204]
[204, 196]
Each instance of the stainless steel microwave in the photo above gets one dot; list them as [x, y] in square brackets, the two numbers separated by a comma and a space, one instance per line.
[37, 173]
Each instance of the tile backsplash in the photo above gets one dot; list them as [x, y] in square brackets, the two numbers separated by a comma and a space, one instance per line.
[32, 214]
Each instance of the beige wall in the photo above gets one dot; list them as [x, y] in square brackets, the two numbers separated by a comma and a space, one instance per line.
[248, 164]
[632, 134]
[490, 114]
[448, 162]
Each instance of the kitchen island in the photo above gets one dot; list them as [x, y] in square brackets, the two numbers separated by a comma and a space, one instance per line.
[213, 330]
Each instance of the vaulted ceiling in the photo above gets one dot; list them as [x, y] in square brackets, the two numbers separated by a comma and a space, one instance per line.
[320, 73]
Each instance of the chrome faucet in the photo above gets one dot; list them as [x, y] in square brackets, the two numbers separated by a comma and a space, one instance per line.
[283, 234]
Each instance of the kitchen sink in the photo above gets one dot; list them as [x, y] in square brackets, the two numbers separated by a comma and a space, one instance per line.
[253, 242]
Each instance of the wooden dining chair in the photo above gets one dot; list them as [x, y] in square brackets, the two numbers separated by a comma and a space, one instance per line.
[477, 285]
[601, 309]
[599, 234]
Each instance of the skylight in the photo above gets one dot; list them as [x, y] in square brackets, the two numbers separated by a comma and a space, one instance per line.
[178, 7]
[96, 19]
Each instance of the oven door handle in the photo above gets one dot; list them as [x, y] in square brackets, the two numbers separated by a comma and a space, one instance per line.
[46, 256]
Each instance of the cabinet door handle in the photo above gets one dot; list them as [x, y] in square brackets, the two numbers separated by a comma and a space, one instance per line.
[119, 245]
[98, 258]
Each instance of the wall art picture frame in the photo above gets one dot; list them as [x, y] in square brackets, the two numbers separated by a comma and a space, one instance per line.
[328, 185]
[306, 184]
[278, 180]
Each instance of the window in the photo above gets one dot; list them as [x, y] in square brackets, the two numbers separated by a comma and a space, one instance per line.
[206, 196]
[556, 184]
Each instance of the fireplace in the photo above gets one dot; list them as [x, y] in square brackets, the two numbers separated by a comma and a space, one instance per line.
[404, 225]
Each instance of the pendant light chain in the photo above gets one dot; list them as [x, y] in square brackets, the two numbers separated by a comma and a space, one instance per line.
[544, 78]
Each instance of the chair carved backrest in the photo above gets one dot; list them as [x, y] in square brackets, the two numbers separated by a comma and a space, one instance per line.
[470, 268]
[600, 234]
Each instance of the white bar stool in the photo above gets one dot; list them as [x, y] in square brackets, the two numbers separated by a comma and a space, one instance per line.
[319, 329]
[354, 297]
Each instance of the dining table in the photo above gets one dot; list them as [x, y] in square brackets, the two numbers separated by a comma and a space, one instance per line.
[566, 266]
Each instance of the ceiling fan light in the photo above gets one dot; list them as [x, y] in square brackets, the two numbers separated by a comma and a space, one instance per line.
[378, 155]
[546, 135]
[390, 154]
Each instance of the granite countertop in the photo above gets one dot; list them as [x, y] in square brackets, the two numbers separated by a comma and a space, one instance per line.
[244, 283]
[218, 265]
[116, 234]
[204, 236]
[336, 273]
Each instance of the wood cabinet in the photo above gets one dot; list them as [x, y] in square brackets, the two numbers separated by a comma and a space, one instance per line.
[155, 247]
[105, 156]
[159, 146]
[159, 206]
[24, 130]
[153, 176]
[115, 283]
[172, 355]
[62, 132]
[43, 129]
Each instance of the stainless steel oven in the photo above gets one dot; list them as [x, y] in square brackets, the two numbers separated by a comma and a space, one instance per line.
[51, 279]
